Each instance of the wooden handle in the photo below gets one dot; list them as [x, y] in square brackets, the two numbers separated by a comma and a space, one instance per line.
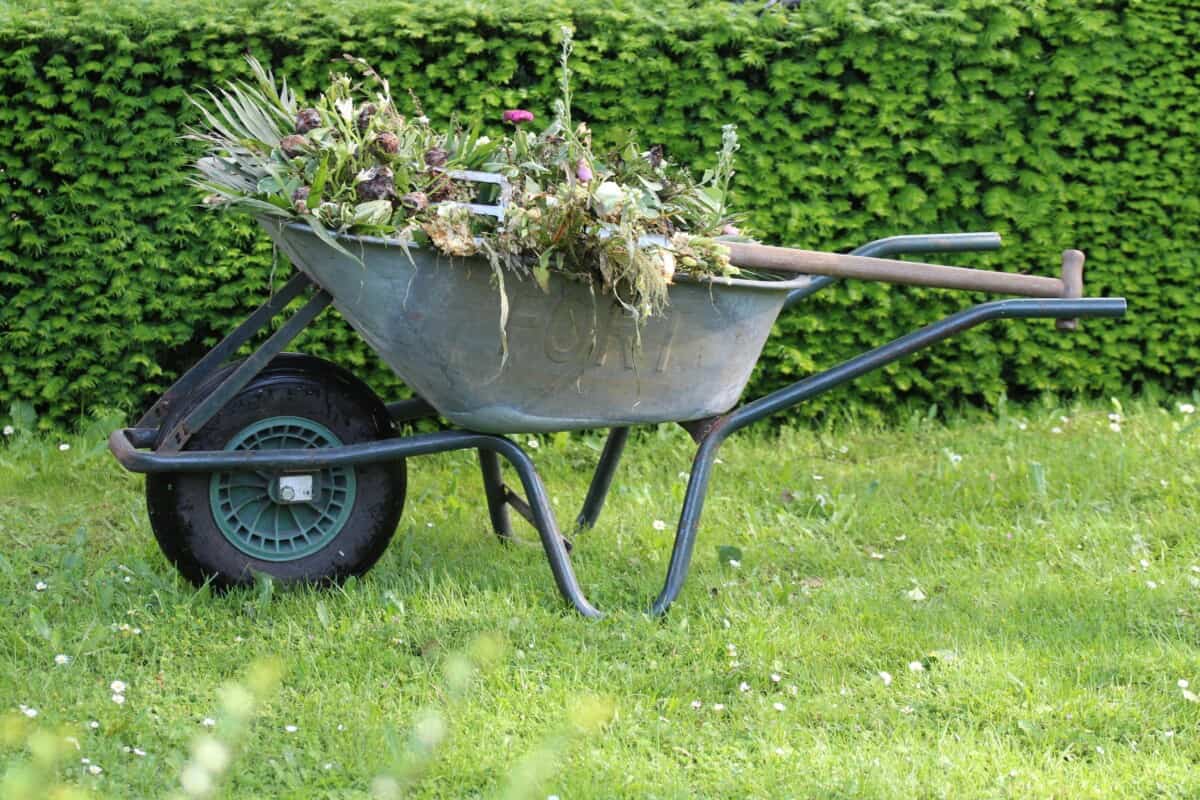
[1072, 279]
[811, 262]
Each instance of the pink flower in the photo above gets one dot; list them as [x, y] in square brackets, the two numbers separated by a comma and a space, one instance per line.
[517, 115]
[583, 171]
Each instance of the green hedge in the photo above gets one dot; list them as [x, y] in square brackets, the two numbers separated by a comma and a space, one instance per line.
[1056, 123]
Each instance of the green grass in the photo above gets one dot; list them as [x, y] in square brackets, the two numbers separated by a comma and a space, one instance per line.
[1059, 572]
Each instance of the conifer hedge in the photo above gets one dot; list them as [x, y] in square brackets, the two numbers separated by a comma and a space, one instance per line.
[1056, 123]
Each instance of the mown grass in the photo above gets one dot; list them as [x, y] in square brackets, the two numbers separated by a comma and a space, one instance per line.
[1032, 595]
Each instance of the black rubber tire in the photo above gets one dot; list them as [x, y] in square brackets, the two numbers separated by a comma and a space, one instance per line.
[291, 385]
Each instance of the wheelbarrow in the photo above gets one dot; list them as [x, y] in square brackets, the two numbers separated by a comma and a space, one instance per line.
[288, 465]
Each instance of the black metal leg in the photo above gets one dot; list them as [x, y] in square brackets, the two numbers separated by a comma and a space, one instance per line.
[543, 518]
[602, 480]
[493, 487]
[689, 520]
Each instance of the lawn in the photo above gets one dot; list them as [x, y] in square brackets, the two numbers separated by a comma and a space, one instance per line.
[999, 605]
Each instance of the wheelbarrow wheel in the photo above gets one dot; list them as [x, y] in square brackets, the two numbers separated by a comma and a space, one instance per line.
[319, 526]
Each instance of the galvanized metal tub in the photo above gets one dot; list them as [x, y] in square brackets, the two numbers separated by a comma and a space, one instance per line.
[574, 359]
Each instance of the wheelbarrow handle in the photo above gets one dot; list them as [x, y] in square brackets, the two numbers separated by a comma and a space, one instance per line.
[913, 273]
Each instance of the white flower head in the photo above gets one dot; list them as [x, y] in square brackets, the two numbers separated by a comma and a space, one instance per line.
[915, 594]
[27, 711]
[208, 722]
[659, 525]
[95, 769]
[119, 699]
[64, 447]
[886, 677]
[118, 686]
[290, 728]
[62, 659]
[1187, 408]
[9, 430]
[743, 687]
[916, 666]
[696, 704]
[41, 586]
[1182, 683]
[778, 706]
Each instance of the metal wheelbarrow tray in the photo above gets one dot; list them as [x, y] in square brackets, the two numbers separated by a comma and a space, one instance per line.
[289, 465]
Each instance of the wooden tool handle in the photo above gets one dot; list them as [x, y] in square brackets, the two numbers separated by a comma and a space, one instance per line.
[810, 262]
[1072, 279]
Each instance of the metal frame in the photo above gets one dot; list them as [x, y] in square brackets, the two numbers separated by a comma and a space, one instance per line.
[128, 444]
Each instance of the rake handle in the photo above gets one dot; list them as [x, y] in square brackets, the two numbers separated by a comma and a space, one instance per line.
[913, 273]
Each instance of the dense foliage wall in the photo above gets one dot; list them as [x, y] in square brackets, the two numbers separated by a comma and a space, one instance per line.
[1057, 123]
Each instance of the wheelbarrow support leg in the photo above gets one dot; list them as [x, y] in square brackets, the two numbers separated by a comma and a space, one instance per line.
[723, 427]
[606, 468]
[494, 489]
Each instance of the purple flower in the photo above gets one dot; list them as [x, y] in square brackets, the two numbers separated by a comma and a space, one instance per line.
[517, 115]
[583, 171]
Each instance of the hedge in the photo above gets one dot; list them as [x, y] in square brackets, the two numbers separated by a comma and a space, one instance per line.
[1056, 123]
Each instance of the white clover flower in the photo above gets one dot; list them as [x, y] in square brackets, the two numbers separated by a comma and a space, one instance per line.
[1187, 408]
[696, 704]
[778, 706]
[776, 677]
[886, 677]
[27, 711]
[119, 699]
[733, 562]
[915, 594]
[1190, 696]
[718, 706]
[533, 444]
[1021, 426]
[1182, 683]
[1151, 585]
[139, 752]
[208, 722]
[1056, 429]
[1114, 417]
[818, 477]
[62, 659]
[93, 724]
[743, 687]
[118, 686]
[916, 666]
[41, 586]
[290, 728]
[95, 769]
[659, 525]
[64, 447]
[1115, 427]
[9, 430]
[955, 458]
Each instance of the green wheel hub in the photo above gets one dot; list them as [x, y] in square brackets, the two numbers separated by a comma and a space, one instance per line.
[246, 507]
